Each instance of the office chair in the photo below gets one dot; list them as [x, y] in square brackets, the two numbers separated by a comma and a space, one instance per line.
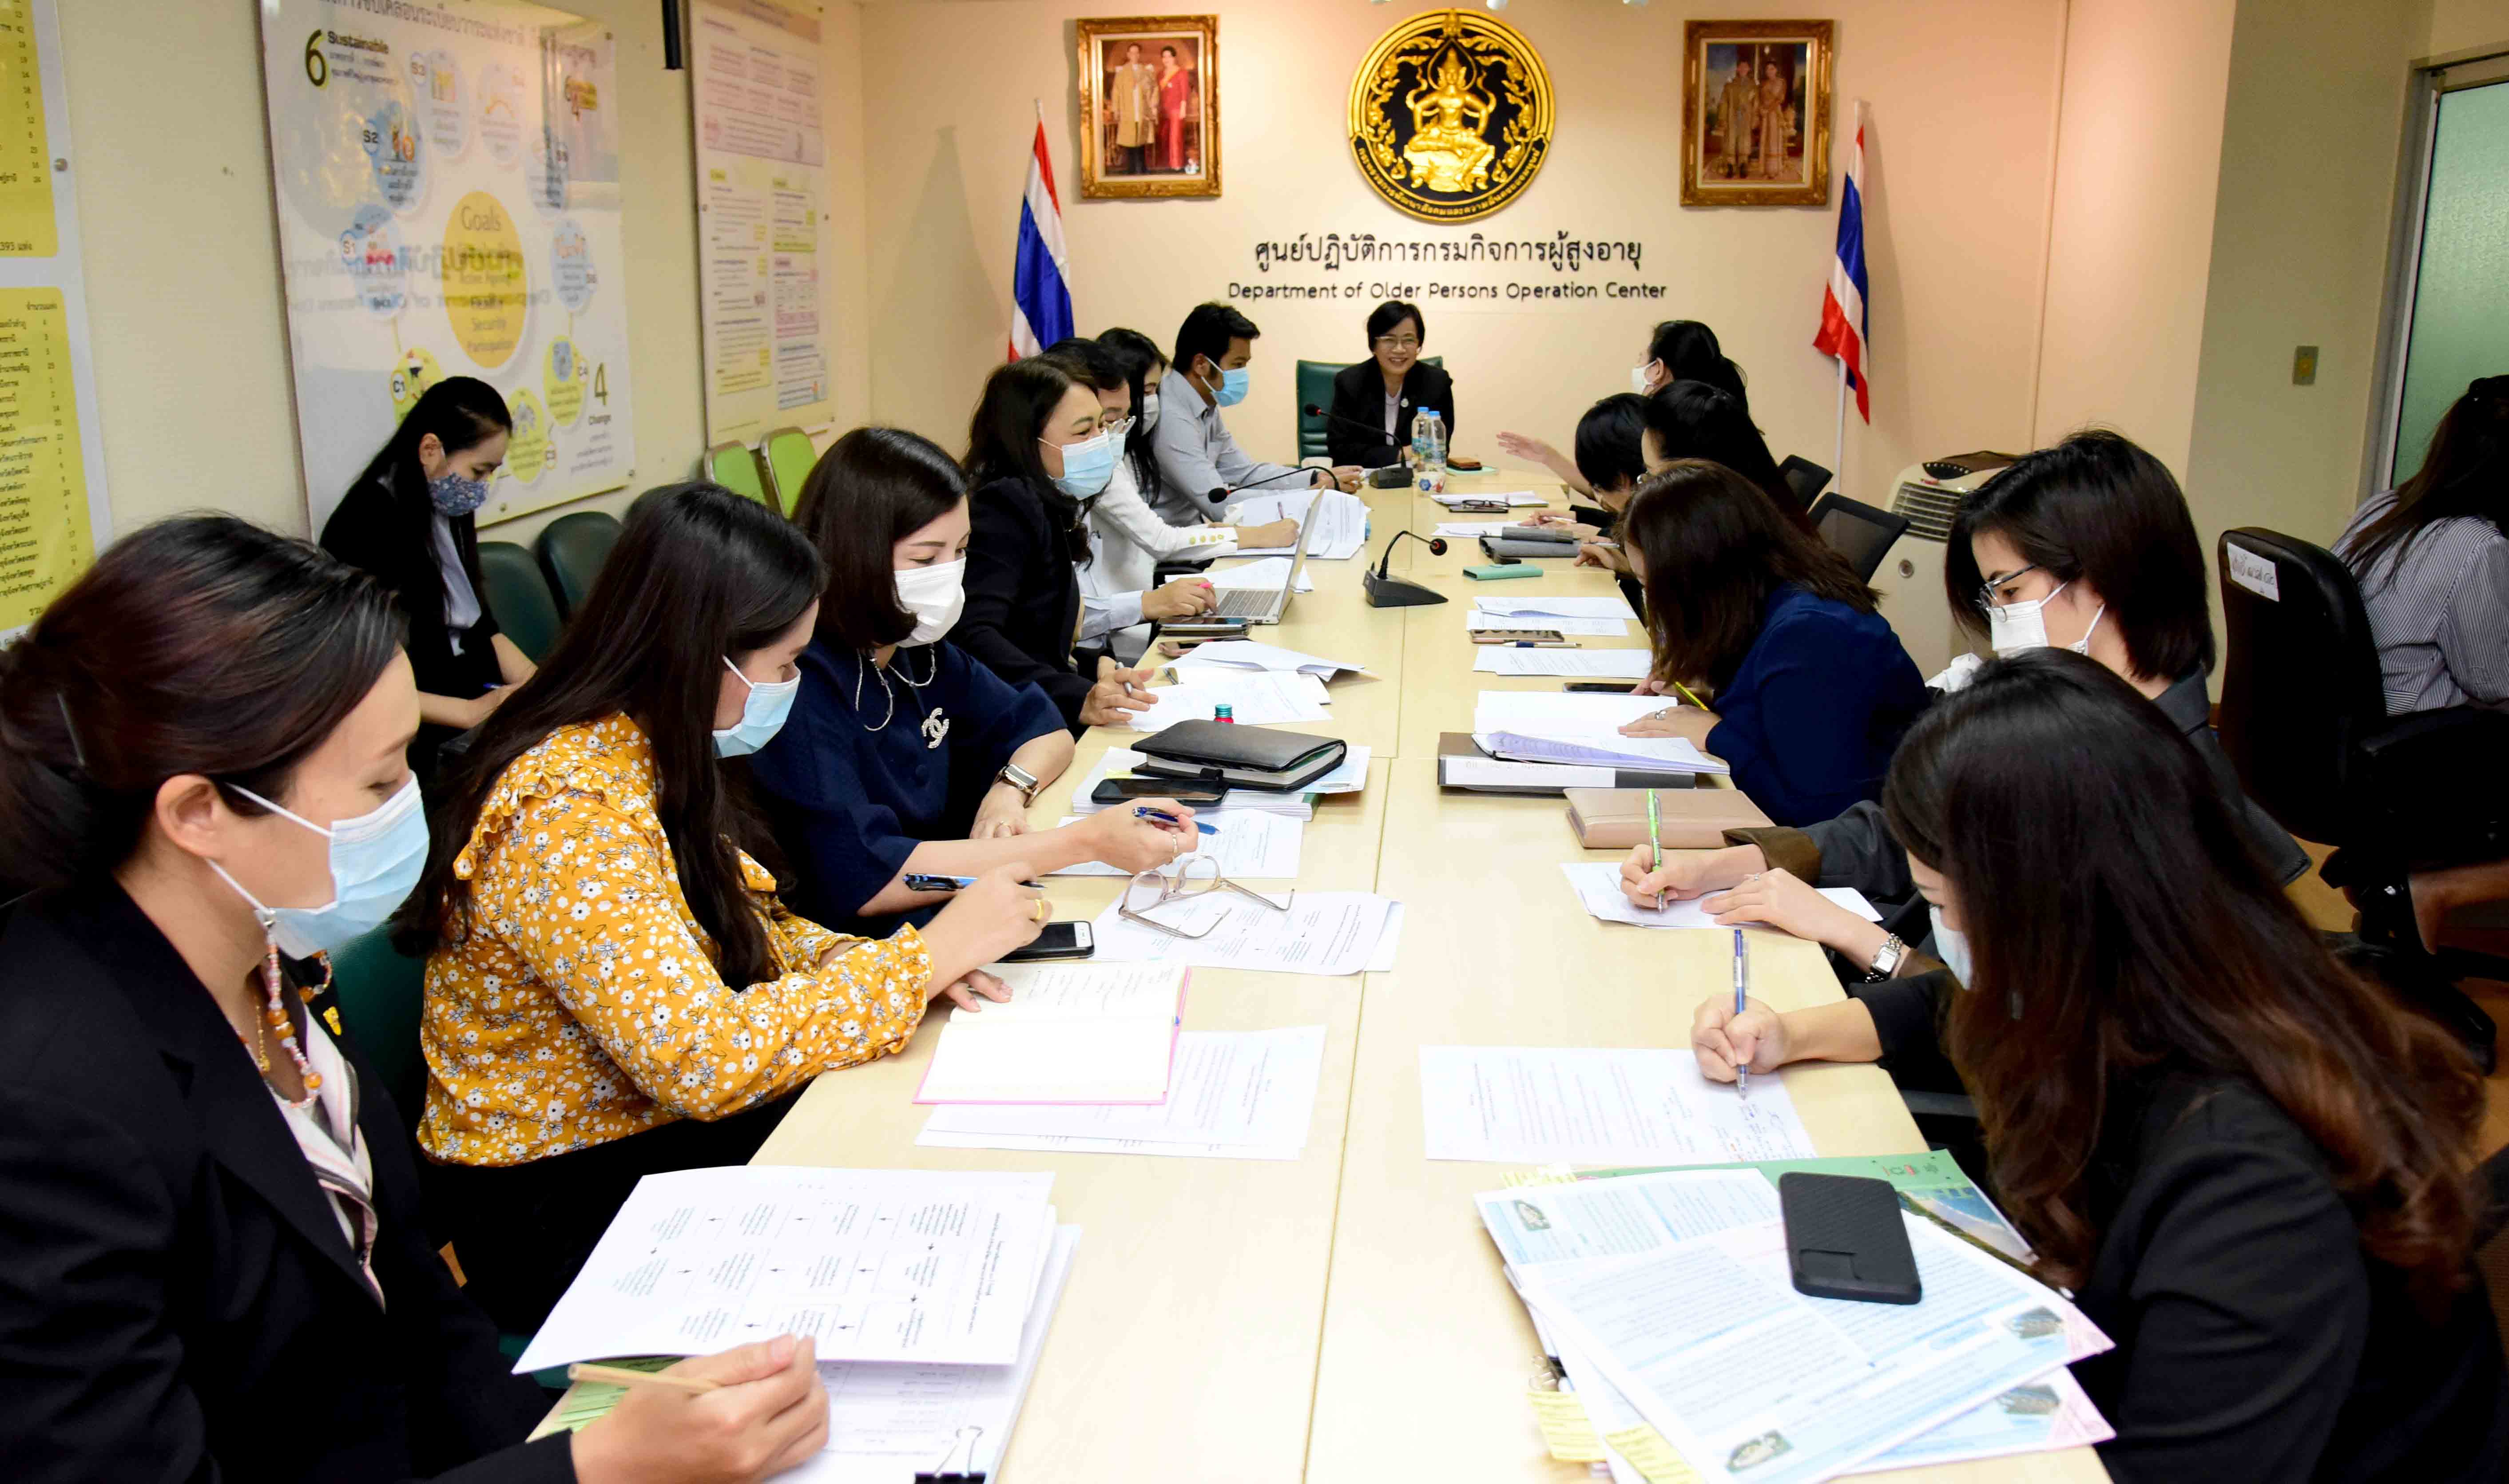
[734, 466]
[790, 457]
[519, 597]
[1805, 477]
[1314, 390]
[571, 549]
[2304, 720]
[1856, 531]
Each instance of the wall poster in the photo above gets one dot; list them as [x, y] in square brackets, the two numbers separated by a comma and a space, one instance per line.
[449, 204]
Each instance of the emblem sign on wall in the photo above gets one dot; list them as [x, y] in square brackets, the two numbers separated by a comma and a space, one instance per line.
[1450, 115]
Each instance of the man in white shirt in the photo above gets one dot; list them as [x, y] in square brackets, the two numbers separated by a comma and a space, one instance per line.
[1201, 468]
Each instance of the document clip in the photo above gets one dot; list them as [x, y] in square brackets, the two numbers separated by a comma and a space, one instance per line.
[943, 1474]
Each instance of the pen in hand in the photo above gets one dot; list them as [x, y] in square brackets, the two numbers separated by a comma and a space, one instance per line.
[1741, 990]
[1145, 811]
[1655, 838]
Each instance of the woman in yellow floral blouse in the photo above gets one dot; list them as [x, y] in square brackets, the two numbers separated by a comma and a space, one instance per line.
[613, 988]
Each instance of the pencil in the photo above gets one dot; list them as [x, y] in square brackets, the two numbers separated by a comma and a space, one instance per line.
[1687, 696]
[620, 1374]
[1655, 836]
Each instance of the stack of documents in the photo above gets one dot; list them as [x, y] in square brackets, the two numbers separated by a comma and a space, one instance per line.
[1320, 932]
[1350, 776]
[1597, 886]
[1237, 1095]
[1252, 655]
[1584, 664]
[1555, 607]
[1069, 1033]
[1250, 845]
[929, 1295]
[1577, 730]
[1481, 619]
[1254, 698]
[1513, 498]
[1265, 574]
[1341, 528]
[1668, 1300]
[1536, 1105]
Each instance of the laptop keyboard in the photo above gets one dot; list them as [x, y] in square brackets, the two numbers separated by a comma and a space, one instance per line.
[1249, 602]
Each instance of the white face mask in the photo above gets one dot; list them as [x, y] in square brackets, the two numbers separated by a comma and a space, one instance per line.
[1149, 411]
[2014, 627]
[934, 595]
[1642, 379]
[1951, 945]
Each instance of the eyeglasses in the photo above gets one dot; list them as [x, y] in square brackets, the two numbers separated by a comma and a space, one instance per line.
[1121, 429]
[1185, 878]
[1986, 589]
[1392, 343]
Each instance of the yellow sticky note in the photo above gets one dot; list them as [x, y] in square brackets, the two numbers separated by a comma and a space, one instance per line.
[1542, 1175]
[1564, 1426]
[1644, 1449]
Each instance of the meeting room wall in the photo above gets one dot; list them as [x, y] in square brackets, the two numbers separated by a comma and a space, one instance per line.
[188, 320]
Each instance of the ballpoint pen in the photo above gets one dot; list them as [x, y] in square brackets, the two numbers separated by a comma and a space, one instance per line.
[1655, 837]
[1741, 983]
[1164, 817]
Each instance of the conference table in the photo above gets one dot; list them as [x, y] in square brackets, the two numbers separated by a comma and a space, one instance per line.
[1342, 1316]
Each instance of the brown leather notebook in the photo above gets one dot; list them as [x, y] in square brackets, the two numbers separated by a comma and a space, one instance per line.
[1694, 818]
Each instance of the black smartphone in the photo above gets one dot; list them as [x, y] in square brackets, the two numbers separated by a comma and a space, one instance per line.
[1193, 795]
[1846, 1240]
[1060, 939]
[1599, 688]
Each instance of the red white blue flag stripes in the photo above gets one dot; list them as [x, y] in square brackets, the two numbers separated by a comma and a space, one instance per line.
[1040, 282]
[1841, 305]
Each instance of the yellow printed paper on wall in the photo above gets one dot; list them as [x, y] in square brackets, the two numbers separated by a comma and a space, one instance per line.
[1450, 115]
[44, 535]
[26, 223]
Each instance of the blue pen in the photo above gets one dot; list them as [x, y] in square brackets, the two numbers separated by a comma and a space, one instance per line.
[1165, 818]
[1742, 1070]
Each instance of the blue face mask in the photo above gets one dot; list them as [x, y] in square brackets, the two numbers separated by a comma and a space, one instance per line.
[1232, 387]
[1087, 466]
[456, 496]
[376, 859]
[761, 716]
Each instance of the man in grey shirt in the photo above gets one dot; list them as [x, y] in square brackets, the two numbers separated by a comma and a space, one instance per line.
[1201, 468]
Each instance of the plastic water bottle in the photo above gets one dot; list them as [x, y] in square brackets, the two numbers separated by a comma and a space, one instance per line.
[1224, 714]
[1429, 452]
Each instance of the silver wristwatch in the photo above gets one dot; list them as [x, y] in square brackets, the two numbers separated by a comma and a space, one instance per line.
[1026, 782]
[1886, 959]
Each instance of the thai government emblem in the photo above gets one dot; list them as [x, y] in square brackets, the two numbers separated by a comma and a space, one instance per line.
[1450, 115]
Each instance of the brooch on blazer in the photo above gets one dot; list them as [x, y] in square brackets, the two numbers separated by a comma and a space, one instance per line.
[936, 727]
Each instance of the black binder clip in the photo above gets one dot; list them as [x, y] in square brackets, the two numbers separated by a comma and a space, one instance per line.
[943, 1474]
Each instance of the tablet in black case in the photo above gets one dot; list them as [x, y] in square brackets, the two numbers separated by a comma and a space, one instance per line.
[1846, 1240]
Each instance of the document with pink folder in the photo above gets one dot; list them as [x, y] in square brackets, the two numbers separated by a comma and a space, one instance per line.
[1069, 1033]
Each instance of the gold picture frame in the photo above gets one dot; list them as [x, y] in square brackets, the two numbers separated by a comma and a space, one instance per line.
[1763, 142]
[1149, 106]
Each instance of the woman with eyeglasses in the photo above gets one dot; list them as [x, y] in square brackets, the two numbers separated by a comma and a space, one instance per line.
[2255, 1169]
[1387, 390]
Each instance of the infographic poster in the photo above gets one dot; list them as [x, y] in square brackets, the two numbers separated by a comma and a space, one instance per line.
[52, 512]
[447, 177]
[761, 204]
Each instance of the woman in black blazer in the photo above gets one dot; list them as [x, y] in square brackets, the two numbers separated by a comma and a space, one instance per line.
[409, 520]
[212, 1265]
[1387, 391]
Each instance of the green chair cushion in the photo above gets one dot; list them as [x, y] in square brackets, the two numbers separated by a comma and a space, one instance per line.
[734, 466]
[380, 994]
[1316, 387]
[790, 457]
[571, 549]
[519, 597]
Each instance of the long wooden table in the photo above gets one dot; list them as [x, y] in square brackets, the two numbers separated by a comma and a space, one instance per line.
[1342, 1316]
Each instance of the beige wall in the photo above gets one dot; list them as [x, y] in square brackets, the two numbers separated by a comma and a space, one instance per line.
[2464, 25]
[1962, 95]
[182, 269]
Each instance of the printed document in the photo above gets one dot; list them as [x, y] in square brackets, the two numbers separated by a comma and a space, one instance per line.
[1598, 884]
[1250, 845]
[874, 1264]
[1323, 931]
[1254, 654]
[1265, 575]
[1237, 1095]
[1585, 664]
[1559, 607]
[1083, 1033]
[1341, 528]
[1539, 1106]
[1254, 698]
[1482, 619]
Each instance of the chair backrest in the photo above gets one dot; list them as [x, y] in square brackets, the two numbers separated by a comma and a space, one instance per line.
[2300, 684]
[1315, 389]
[1805, 477]
[380, 994]
[571, 549]
[519, 597]
[1856, 531]
[734, 466]
[790, 457]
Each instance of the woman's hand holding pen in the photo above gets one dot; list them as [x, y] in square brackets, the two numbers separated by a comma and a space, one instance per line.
[1780, 899]
[1685, 874]
[766, 1414]
[1118, 694]
[1725, 1042]
[1135, 842]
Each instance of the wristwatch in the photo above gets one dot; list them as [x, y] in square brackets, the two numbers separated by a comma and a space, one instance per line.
[1026, 782]
[1886, 959]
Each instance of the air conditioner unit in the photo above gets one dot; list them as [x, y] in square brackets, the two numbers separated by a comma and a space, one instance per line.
[1911, 579]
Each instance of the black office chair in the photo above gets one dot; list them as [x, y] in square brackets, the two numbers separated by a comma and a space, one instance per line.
[2304, 720]
[1805, 477]
[1856, 531]
[571, 549]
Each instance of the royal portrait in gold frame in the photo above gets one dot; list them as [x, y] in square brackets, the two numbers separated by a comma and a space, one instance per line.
[1755, 113]
[1149, 105]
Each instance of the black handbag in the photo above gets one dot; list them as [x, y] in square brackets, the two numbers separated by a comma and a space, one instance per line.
[1228, 756]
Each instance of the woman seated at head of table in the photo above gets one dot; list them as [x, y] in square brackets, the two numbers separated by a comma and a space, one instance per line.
[2086, 546]
[614, 988]
[213, 1264]
[2253, 1169]
[1812, 688]
[1387, 390]
[1677, 350]
[903, 757]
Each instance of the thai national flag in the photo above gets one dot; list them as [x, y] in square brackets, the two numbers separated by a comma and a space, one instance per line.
[1841, 306]
[1040, 286]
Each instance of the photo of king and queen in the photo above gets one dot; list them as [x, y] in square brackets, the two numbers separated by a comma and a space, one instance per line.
[1754, 111]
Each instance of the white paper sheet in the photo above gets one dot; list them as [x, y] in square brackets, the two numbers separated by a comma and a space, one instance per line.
[1254, 698]
[1559, 607]
[1541, 1105]
[1342, 532]
[1084, 1033]
[1472, 528]
[1250, 1095]
[875, 1264]
[1324, 932]
[1585, 664]
[1513, 498]
[1482, 619]
[1254, 654]
[1250, 845]
[1492, 773]
[1265, 575]
[1581, 729]
[1597, 886]
[1389, 941]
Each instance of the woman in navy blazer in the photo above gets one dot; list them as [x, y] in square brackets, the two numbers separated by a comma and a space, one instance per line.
[1392, 384]
[1812, 688]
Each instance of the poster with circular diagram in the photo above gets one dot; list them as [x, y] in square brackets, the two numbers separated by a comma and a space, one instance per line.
[448, 199]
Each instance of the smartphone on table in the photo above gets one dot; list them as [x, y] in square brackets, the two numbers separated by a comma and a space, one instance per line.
[1193, 795]
[1060, 939]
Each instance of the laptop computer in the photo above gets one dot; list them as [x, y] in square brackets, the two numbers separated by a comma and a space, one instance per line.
[1266, 605]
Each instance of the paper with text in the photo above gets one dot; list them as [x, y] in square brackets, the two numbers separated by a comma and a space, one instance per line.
[1341, 528]
[1251, 846]
[1265, 575]
[1254, 654]
[1254, 698]
[1559, 607]
[1585, 664]
[1597, 886]
[1068, 1033]
[1538, 1105]
[1324, 932]
[1250, 1092]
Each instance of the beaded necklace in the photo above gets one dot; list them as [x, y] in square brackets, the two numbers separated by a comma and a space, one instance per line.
[275, 1014]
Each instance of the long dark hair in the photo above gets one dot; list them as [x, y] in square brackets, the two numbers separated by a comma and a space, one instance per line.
[1136, 354]
[199, 645]
[2465, 472]
[462, 412]
[1690, 353]
[1693, 419]
[2118, 920]
[1715, 549]
[1019, 397]
[2097, 509]
[871, 489]
[700, 576]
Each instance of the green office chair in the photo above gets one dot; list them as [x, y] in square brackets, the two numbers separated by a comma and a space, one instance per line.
[734, 466]
[379, 992]
[790, 457]
[1314, 390]
[571, 549]
[519, 597]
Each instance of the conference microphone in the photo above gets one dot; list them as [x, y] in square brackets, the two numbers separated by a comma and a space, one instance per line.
[1372, 429]
[1221, 496]
[1383, 591]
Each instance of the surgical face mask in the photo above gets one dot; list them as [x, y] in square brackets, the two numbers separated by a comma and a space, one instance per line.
[2014, 627]
[1642, 377]
[1951, 945]
[1149, 411]
[376, 859]
[934, 595]
[1087, 465]
[1232, 389]
[456, 496]
[761, 716]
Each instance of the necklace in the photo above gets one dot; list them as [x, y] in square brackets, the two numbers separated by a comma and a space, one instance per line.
[862, 663]
[275, 1012]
